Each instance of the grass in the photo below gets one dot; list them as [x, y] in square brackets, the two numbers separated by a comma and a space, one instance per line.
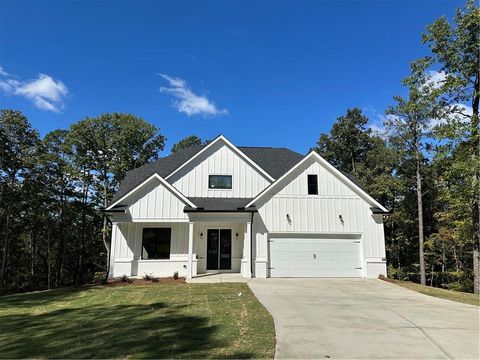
[466, 298]
[152, 321]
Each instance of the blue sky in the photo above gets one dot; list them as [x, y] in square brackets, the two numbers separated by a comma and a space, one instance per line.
[261, 73]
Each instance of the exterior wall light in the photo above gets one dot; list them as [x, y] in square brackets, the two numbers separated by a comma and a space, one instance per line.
[201, 235]
[289, 220]
[341, 219]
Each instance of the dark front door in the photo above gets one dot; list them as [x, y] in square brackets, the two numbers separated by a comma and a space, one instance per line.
[219, 249]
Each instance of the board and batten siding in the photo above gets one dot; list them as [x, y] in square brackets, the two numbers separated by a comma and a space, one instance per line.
[220, 159]
[155, 201]
[127, 249]
[320, 213]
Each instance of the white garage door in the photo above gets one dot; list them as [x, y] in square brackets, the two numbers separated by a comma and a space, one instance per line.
[315, 257]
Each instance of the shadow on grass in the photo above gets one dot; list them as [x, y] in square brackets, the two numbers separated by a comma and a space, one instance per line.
[140, 331]
[44, 297]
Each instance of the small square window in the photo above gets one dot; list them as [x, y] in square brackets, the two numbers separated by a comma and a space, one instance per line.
[156, 243]
[220, 181]
[312, 185]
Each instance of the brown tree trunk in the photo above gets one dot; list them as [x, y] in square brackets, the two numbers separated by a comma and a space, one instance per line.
[33, 246]
[6, 241]
[105, 227]
[49, 272]
[6, 245]
[61, 243]
[475, 134]
[423, 278]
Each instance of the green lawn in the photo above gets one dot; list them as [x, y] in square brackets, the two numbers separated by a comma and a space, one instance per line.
[152, 321]
[458, 296]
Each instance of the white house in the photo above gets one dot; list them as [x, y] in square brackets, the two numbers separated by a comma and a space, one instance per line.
[258, 211]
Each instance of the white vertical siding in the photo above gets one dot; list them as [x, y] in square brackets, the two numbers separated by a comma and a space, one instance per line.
[220, 159]
[320, 213]
[128, 239]
[155, 201]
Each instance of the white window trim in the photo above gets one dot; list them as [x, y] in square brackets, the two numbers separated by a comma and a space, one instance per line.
[141, 244]
[218, 189]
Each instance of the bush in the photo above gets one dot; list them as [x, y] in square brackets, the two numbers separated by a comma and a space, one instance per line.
[100, 277]
[175, 275]
[125, 278]
[451, 280]
[150, 277]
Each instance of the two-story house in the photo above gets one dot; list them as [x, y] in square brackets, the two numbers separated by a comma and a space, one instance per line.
[258, 211]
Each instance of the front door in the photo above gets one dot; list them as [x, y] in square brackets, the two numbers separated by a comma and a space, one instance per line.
[219, 249]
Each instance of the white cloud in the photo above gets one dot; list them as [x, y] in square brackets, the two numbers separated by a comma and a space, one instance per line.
[188, 102]
[454, 113]
[45, 92]
[376, 121]
[436, 78]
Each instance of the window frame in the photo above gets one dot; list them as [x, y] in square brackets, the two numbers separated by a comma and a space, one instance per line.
[221, 175]
[142, 258]
[309, 176]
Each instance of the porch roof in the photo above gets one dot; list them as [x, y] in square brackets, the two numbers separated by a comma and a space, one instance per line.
[219, 205]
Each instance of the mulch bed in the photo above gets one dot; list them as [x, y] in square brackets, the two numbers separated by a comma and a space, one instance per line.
[157, 281]
[384, 278]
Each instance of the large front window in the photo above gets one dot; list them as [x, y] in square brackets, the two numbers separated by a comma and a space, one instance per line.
[156, 243]
[220, 181]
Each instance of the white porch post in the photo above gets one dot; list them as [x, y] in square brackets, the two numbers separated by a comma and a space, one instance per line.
[190, 250]
[247, 251]
[113, 244]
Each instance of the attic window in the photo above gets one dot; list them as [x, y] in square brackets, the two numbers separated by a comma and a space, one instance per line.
[312, 184]
[220, 181]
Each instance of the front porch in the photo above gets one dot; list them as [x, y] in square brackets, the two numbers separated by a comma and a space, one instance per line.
[207, 243]
[219, 244]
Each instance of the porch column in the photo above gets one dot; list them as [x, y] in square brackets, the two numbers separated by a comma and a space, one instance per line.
[190, 250]
[247, 251]
[113, 244]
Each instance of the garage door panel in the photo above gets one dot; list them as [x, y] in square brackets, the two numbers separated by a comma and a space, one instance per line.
[315, 257]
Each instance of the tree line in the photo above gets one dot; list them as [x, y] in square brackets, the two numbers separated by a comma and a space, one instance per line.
[424, 166]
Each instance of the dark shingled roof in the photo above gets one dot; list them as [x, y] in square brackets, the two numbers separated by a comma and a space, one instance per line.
[218, 204]
[275, 161]
[162, 167]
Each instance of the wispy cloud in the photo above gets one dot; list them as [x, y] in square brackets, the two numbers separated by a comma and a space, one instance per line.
[187, 101]
[44, 92]
[376, 121]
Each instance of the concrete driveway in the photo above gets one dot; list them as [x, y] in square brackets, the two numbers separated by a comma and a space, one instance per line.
[366, 319]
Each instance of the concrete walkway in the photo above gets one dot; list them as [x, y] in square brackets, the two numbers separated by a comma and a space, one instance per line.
[366, 319]
[218, 278]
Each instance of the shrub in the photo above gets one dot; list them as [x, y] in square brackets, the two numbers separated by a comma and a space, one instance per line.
[175, 275]
[100, 277]
[125, 278]
[150, 277]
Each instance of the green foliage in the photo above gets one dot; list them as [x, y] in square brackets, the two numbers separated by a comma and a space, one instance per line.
[353, 148]
[186, 142]
[105, 148]
[52, 189]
